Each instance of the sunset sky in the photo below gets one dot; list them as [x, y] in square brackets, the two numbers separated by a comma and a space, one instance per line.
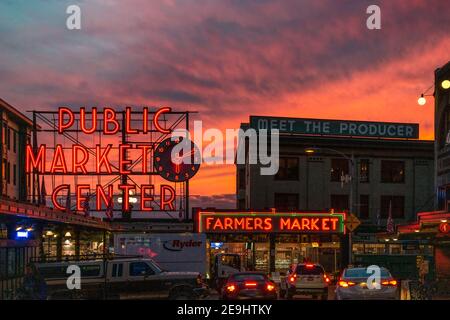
[227, 59]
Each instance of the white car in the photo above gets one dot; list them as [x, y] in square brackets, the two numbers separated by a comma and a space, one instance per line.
[306, 279]
[352, 285]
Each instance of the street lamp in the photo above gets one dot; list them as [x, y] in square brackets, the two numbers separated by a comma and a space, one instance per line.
[351, 160]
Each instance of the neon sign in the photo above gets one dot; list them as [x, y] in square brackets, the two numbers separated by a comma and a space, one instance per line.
[109, 159]
[262, 222]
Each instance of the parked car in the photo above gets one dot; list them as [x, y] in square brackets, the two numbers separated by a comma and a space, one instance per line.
[249, 285]
[352, 285]
[305, 279]
[124, 278]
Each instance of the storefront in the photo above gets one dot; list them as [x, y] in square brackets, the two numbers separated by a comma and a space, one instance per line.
[270, 241]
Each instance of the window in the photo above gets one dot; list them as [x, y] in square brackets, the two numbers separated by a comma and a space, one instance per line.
[8, 138]
[140, 269]
[339, 202]
[398, 206]
[14, 141]
[8, 172]
[117, 270]
[392, 171]
[14, 174]
[364, 170]
[309, 270]
[364, 206]
[90, 270]
[288, 169]
[286, 201]
[339, 167]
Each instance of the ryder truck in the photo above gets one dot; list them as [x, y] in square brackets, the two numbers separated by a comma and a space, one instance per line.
[172, 251]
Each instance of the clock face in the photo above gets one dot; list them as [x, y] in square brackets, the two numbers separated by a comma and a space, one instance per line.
[184, 165]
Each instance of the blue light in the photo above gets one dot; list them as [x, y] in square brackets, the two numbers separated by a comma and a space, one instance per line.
[216, 245]
[22, 234]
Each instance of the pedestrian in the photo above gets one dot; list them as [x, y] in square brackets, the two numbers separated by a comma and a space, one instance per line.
[33, 286]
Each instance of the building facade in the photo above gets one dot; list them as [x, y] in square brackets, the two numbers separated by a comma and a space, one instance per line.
[15, 134]
[362, 175]
[442, 136]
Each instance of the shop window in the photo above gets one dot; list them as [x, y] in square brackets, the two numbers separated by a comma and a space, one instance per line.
[364, 206]
[392, 171]
[398, 206]
[339, 167]
[364, 170]
[288, 169]
[286, 201]
[339, 202]
[395, 249]
[374, 248]
[140, 269]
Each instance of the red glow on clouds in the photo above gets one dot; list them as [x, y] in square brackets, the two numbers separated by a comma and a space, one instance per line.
[228, 60]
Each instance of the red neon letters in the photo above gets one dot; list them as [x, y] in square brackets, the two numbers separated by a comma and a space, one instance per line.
[66, 119]
[274, 223]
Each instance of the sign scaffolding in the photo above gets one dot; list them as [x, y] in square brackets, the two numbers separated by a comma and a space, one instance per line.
[109, 163]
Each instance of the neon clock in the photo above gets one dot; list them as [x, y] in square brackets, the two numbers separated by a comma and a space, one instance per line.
[179, 169]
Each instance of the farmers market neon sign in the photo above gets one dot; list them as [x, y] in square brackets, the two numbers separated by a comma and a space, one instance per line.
[262, 222]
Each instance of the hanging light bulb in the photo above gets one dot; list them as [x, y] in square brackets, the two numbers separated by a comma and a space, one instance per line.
[67, 235]
[421, 101]
[445, 84]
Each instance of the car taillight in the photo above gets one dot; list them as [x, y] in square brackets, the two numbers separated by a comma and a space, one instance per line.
[231, 288]
[345, 284]
[309, 265]
[327, 280]
[292, 279]
[391, 283]
[270, 287]
[250, 284]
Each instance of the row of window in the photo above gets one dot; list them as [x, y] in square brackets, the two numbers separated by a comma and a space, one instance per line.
[9, 135]
[392, 171]
[290, 202]
[7, 172]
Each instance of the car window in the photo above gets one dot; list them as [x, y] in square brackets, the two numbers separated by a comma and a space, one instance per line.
[362, 273]
[117, 270]
[90, 270]
[244, 277]
[309, 270]
[140, 269]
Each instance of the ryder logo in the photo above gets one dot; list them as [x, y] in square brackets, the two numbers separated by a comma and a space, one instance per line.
[179, 245]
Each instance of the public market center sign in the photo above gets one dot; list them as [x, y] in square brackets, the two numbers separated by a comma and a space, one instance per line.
[337, 127]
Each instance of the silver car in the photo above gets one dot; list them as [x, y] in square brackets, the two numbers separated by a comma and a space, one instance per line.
[352, 285]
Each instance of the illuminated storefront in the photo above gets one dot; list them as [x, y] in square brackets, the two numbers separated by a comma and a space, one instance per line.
[270, 241]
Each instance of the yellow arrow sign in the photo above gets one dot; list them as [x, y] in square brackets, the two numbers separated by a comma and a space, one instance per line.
[352, 222]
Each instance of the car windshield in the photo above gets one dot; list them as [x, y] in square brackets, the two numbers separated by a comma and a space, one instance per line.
[251, 277]
[309, 270]
[362, 273]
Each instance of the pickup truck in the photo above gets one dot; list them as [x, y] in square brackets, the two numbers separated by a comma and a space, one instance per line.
[123, 278]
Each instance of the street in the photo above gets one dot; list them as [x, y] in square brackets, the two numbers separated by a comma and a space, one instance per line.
[215, 296]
